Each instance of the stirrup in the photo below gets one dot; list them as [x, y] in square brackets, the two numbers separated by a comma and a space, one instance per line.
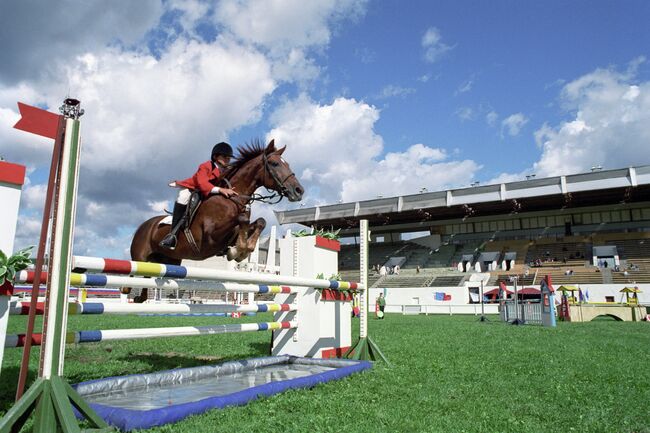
[169, 242]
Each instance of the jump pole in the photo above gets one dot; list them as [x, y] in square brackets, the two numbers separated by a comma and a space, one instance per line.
[50, 397]
[84, 280]
[97, 308]
[146, 269]
[365, 349]
[147, 333]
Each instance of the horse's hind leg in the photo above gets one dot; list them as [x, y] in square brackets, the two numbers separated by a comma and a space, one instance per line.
[142, 251]
[247, 239]
[238, 251]
[253, 236]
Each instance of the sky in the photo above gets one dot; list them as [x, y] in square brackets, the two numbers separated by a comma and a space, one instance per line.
[370, 97]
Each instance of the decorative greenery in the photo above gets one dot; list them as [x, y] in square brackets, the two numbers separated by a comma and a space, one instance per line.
[16, 263]
[333, 277]
[333, 235]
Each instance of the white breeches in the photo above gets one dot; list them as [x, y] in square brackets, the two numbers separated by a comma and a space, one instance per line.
[183, 197]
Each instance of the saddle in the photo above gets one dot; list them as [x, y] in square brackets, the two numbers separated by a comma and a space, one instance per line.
[188, 217]
[190, 211]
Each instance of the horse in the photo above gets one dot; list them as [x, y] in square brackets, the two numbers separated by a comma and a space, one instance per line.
[222, 225]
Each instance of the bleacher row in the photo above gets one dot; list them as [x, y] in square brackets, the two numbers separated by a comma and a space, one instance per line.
[568, 260]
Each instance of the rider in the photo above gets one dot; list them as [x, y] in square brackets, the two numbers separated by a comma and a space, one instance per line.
[208, 174]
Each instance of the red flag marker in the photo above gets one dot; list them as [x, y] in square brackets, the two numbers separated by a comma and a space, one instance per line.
[37, 121]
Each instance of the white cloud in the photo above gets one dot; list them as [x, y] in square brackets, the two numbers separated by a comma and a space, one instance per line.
[491, 118]
[465, 87]
[407, 172]
[28, 231]
[608, 124]
[191, 12]
[514, 123]
[433, 46]
[296, 66]
[282, 25]
[133, 102]
[465, 113]
[33, 196]
[393, 91]
[335, 148]
[318, 136]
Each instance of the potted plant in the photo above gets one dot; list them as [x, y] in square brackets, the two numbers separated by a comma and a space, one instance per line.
[9, 266]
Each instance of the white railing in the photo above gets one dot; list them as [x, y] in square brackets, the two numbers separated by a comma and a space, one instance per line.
[449, 309]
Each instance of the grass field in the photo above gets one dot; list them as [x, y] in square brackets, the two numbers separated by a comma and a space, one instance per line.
[448, 374]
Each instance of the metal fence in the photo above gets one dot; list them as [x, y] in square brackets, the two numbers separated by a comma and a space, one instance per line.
[526, 312]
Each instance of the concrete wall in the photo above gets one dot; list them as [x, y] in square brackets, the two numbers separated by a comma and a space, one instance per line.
[460, 298]
[12, 177]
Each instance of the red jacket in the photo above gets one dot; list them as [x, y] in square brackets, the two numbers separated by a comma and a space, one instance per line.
[201, 180]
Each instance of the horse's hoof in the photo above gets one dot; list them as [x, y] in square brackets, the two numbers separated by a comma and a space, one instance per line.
[139, 299]
[125, 290]
[232, 253]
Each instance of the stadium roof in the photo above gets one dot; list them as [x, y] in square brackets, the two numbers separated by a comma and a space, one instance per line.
[596, 188]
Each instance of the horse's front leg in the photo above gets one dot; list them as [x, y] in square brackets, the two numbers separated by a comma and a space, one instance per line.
[238, 251]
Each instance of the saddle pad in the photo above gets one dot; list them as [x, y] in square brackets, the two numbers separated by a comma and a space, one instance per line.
[166, 221]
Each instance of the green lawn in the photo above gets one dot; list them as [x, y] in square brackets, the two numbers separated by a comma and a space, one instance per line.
[448, 374]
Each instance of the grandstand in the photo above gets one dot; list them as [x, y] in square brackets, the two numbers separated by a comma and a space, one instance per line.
[587, 228]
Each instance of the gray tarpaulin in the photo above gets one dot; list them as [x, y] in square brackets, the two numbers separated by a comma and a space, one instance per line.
[147, 400]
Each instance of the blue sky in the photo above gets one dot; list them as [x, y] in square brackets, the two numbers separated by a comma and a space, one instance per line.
[371, 97]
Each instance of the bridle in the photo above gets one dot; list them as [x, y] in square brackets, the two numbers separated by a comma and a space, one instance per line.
[275, 196]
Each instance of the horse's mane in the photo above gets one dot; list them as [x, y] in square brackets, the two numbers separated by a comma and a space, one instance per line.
[245, 153]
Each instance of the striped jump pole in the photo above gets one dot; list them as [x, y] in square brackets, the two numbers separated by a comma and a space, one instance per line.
[74, 291]
[22, 308]
[131, 334]
[146, 269]
[99, 280]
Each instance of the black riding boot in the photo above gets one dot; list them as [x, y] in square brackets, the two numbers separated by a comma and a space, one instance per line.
[169, 241]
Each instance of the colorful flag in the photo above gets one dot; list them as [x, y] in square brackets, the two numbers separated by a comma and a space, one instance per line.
[440, 296]
[587, 295]
[446, 297]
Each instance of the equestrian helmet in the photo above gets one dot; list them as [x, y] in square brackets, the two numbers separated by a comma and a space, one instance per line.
[222, 148]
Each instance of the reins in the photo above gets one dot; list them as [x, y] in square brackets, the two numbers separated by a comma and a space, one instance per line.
[267, 199]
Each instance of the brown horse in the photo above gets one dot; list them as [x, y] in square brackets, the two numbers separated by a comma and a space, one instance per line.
[222, 225]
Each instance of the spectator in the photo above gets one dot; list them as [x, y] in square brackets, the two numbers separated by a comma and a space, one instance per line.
[417, 269]
[381, 302]
[396, 269]
[382, 271]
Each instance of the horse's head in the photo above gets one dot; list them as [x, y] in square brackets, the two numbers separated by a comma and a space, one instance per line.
[277, 175]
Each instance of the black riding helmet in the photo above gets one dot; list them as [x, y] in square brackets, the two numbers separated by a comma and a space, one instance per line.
[222, 148]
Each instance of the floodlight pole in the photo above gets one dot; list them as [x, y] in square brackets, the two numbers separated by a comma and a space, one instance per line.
[482, 318]
[517, 320]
